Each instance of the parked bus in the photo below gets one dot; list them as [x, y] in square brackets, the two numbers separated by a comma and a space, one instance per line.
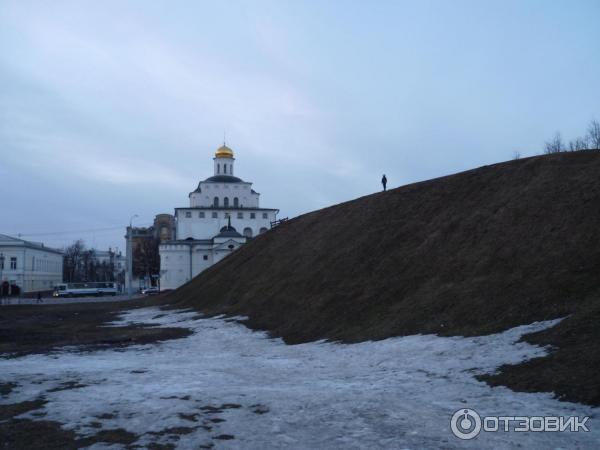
[85, 288]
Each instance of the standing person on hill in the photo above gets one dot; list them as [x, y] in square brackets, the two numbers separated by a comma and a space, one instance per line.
[384, 182]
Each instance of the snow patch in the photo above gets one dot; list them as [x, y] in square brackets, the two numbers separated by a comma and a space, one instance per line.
[235, 388]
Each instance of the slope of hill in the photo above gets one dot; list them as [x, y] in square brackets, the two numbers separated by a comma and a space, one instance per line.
[472, 253]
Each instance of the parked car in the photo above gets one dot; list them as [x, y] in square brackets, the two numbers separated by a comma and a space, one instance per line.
[151, 291]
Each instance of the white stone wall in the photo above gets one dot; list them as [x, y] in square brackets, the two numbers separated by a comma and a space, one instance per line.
[230, 191]
[174, 265]
[191, 224]
[223, 166]
[175, 260]
[36, 269]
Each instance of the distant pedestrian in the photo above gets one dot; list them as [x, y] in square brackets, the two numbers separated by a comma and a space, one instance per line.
[39, 297]
[384, 182]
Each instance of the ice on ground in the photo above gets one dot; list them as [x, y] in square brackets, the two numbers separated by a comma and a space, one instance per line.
[235, 388]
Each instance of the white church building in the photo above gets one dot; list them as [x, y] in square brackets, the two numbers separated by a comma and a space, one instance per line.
[224, 212]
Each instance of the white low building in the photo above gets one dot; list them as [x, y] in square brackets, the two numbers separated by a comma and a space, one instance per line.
[224, 212]
[28, 265]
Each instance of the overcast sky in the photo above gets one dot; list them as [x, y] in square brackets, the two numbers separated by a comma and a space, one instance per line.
[109, 109]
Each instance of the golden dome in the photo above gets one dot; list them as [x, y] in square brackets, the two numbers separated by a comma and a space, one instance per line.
[224, 152]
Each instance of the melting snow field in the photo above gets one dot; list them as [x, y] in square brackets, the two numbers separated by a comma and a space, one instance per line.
[231, 387]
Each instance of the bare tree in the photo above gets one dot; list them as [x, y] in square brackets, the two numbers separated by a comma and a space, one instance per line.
[578, 144]
[593, 135]
[555, 145]
[146, 258]
[81, 264]
[73, 255]
[105, 271]
[89, 265]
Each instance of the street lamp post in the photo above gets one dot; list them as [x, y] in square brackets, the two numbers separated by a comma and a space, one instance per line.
[130, 258]
[1, 282]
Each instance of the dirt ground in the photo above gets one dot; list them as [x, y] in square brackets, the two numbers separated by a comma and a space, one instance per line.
[571, 369]
[469, 254]
[41, 329]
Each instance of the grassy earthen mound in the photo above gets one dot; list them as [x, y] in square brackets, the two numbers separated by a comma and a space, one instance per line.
[468, 254]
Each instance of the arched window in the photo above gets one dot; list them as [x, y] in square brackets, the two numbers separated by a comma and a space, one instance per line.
[216, 202]
[248, 232]
[224, 168]
[263, 230]
[226, 202]
[236, 202]
[218, 168]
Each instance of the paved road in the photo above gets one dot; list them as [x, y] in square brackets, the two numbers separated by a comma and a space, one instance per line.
[62, 301]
